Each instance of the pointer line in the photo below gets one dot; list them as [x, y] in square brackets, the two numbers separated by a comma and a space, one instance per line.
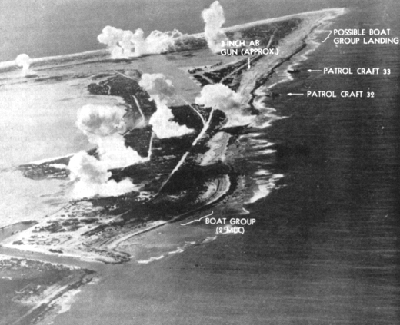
[330, 32]
[294, 94]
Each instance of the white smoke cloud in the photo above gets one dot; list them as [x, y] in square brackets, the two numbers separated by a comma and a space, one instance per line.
[103, 125]
[91, 178]
[23, 61]
[113, 152]
[162, 123]
[221, 97]
[125, 44]
[110, 36]
[88, 169]
[158, 85]
[214, 18]
[118, 40]
[162, 91]
[101, 120]
[158, 42]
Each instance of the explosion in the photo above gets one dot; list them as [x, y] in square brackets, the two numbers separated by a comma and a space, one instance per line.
[221, 97]
[126, 44]
[158, 85]
[23, 61]
[214, 18]
[101, 121]
[104, 126]
[92, 178]
[163, 93]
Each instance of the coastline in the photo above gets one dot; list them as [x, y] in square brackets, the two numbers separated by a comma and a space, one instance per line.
[259, 71]
[316, 257]
[289, 46]
[329, 13]
[39, 297]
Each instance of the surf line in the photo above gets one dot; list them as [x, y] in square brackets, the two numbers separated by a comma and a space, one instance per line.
[180, 163]
[197, 220]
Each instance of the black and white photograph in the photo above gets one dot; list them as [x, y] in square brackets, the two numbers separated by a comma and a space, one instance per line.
[172, 162]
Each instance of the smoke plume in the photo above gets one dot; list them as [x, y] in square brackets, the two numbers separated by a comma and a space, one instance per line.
[103, 126]
[126, 44]
[23, 61]
[158, 85]
[92, 178]
[221, 97]
[162, 91]
[101, 121]
[162, 123]
[214, 18]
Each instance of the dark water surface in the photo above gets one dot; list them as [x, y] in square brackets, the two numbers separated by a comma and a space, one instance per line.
[325, 248]
[45, 28]
[332, 232]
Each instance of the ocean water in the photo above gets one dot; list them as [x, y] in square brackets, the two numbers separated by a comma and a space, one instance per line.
[325, 247]
[38, 122]
[41, 28]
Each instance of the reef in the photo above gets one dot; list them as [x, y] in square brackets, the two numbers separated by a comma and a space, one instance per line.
[186, 173]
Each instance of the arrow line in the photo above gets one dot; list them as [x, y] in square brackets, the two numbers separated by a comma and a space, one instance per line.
[248, 63]
[330, 32]
[311, 70]
[295, 94]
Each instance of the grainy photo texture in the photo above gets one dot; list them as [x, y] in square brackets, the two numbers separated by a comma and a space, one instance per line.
[181, 162]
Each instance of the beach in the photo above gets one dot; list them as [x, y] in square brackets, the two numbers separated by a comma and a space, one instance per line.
[70, 242]
[319, 180]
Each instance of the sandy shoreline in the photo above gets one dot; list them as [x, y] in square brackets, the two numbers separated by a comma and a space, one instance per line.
[288, 46]
[37, 288]
[262, 67]
[73, 244]
[104, 52]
